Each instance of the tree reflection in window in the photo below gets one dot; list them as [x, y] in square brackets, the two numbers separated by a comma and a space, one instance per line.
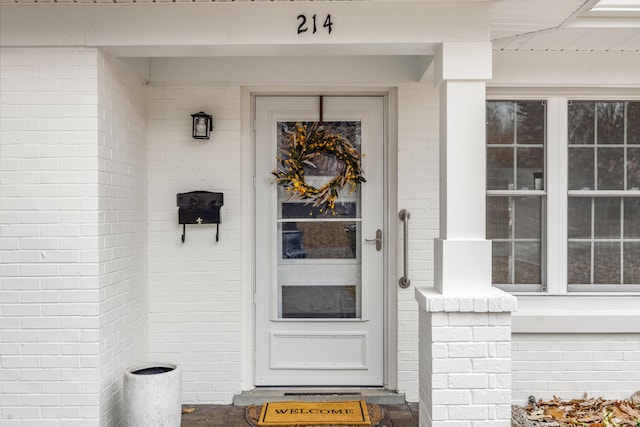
[604, 155]
[516, 139]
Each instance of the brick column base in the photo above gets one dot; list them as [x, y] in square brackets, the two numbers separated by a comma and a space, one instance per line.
[465, 359]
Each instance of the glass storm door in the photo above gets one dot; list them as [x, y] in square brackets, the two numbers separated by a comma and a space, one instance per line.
[319, 275]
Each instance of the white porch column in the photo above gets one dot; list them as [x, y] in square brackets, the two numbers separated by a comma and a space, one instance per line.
[462, 254]
[465, 323]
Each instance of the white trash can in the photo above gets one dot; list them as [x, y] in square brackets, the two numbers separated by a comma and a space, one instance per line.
[153, 395]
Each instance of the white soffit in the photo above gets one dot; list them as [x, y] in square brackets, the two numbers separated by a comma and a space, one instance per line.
[617, 6]
[511, 18]
[566, 25]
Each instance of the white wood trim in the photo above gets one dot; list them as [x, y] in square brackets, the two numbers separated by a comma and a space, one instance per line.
[247, 237]
[390, 379]
[591, 70]
[585, 313]
[557, 196]
[269, 28]
[391, 203]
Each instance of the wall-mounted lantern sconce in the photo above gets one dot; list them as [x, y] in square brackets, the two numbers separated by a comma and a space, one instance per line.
[202, 125]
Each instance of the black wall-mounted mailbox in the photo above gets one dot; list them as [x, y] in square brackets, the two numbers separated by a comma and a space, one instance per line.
[199, 207]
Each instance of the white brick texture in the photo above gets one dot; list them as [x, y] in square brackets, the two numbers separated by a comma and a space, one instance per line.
[465, 361]
[195, 287]
[122, 231]
[96, 279]
[418, 193]
[570, 365]
[49, 293]
[72, 236]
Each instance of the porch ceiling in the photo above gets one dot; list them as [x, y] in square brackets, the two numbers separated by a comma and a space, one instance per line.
[564, 25]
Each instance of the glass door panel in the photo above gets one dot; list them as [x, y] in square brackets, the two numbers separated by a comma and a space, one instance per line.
[319, 259]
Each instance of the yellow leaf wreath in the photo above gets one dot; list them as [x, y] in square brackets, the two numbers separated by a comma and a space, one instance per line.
[305, 143]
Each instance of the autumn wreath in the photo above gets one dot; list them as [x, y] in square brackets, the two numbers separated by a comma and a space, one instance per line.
[305, 143]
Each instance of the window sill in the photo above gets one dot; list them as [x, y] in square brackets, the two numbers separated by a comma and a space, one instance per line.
[582, 313]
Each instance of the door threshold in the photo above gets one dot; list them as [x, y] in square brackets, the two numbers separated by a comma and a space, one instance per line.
[261, 395]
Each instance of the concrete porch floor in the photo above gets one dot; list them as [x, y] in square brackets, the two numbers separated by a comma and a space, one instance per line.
[394, 415]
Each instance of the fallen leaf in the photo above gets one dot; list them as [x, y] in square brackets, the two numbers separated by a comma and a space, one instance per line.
[188, 410]
[587, 412]
[630, 411]
[538, 417]
[556, 413]
[591, 418]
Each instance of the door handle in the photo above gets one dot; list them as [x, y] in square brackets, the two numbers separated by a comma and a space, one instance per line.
[404, 216]
[377, 240]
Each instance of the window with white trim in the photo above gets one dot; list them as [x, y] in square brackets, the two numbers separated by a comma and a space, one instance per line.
[563, 194]
[603, 212]
[516, 140]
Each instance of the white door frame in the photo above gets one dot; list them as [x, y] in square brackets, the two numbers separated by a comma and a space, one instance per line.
[248, 232]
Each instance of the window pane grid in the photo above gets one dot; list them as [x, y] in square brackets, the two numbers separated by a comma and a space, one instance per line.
[516, 140]
[625, 246]
[609, 149]
[603, 171]
[516, 196]
[513, 245]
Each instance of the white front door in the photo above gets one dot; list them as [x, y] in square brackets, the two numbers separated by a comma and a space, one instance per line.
[319, 275]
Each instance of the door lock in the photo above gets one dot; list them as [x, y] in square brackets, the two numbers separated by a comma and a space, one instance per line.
[377, 240]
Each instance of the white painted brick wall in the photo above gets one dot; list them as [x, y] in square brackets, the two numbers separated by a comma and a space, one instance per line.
[569, 365]
[122, 229]
[417, 192]
[72, 236]
[49, 323]
[73, 215]
[195, 287]
[465, 361]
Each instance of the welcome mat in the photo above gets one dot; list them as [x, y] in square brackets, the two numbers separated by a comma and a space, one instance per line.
[350, 413]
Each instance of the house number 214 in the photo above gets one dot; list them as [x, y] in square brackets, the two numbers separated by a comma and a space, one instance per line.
[303, 26]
